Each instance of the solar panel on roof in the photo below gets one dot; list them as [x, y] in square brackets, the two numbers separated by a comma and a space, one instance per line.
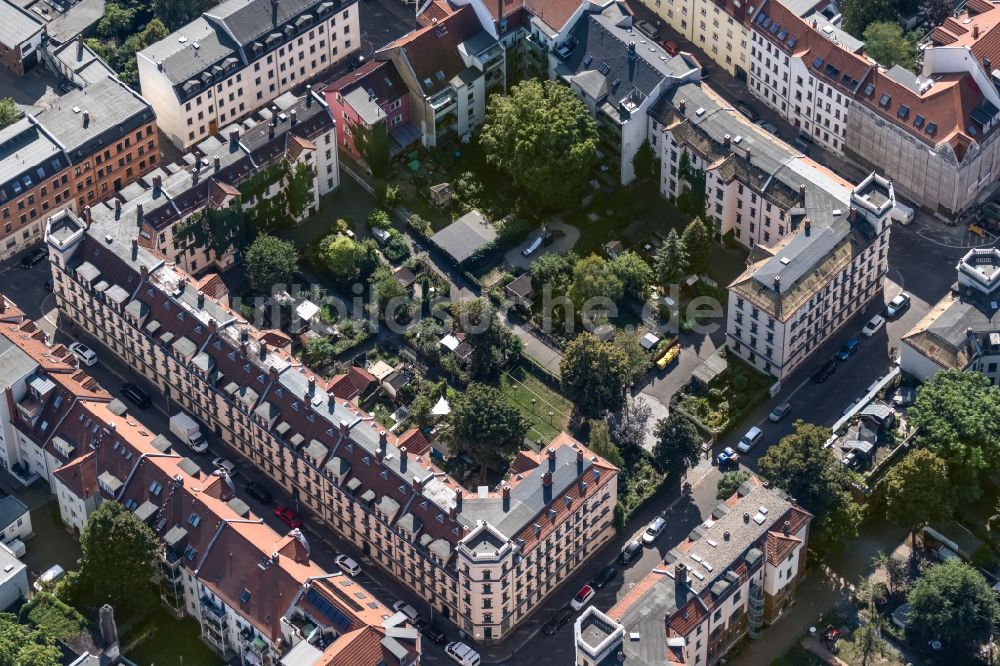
[329, 611]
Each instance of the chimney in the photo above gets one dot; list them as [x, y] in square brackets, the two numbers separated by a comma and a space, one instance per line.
[274, 13]
[815, 24]
[579, 462]
[217, 163]
[777, 283]
[988, 66]
[345, 428]
[197, 163]
[243, 349]
[726, 535]
[270, 131]
[157, 184]
[681, 573]
[379, 455]
[213, 326]
[383, 440]
[118, 208]
[3, 304]
[802, 193]
[746, 518]
[312, 385]
[86, 118]
[138, 212]
[143, 272]
[727, 140]
[749, 154]
[975, 32]
[79, 46]
[87, 214]
[234, 138]
[807, 225]
[417, 484]
[551, 453]
[293, 115]
[852, 215]
[786, 528]
[273, 372]
[458, 500]
[309, 96]
[109, 630]
[244, 335]
[631, 51]
[682, 106]
[505, 493]
[547, 479]
[201, 300]
[135, 245]
[263, 345]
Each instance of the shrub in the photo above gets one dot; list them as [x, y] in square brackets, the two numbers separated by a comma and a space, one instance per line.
[379, 219]
[396, 249]
[715, 394]
[740, 382]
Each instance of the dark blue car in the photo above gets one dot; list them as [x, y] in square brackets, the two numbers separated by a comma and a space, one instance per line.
[847, 351]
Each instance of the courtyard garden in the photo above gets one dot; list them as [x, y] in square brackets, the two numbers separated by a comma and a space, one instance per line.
[727, 398]
[546, 411]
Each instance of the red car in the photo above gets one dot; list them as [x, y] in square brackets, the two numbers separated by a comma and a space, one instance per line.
[585, 594]
[288, 516]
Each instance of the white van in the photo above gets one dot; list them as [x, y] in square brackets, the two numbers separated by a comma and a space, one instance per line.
[901, 213]
[462, 654]
[51, 575]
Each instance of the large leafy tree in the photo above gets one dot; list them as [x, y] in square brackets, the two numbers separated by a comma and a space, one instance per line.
[696, 244]
[917, 491]
[270, 261]
[543, 138]
[593, 375]
[671, 259]
[117, 561]
[594, 279]
[958, 417]
[9, 112]
[601, 444]
[22, 646]
[176, 13]
[952, 602]
[887, 45]
[858, 14]
[729, 483]
[487, 427]
[638, 358]
[554, 270]
[800, 465]
[934, 12]
[342, 256]
[634, 273]
[494, 345]
[629, 425]
[678, 444]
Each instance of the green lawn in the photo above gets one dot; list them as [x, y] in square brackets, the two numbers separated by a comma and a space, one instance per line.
[536, 402]
[175, 643]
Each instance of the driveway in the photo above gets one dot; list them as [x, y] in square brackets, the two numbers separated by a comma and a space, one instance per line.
[564, 238]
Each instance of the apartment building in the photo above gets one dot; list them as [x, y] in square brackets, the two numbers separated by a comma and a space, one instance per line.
[962, 330]
[733, 575]
[85, 147]
[486, 559]
[239, 56]
[721, 28]
[619, 74]
[185, 210]
[450, 65]
[807, 73]
[256, 595]
[20, 37]
[819, 246]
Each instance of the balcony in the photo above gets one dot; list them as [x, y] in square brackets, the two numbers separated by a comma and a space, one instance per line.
[212, 614]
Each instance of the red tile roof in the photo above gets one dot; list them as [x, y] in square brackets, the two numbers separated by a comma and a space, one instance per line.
[351, 384]
[976, 29]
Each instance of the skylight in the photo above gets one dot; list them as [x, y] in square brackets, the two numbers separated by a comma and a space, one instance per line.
[884, 101]
[918, 121]
[903, 111]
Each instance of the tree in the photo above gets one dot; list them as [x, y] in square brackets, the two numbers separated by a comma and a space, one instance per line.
[484, 425]
[917, 491]
[934, 12]
[729, 483]
[53, 617]
[696, 244]
[9, 113]
[800, 465]
[319, 351]
[22, 646]
[176, 13]
[543, 138]
[594, 279]
[35, 654]
[858, 14]
[895, 570]
[887, 45]
[593, 375]
[116, 21]
[957, 415]
[951, 602]
[634, 273]
[387, 289]
[494, 345]
[117, 561]
[342, 256]
[379, 219]
[628, 426]
[644, 162]
[670, 261]
[270, 261]
[552, 269]
[389, 196]
[678, 444]
[601, 444]
[637, 357]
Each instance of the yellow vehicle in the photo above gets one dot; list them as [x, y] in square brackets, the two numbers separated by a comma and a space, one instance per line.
[671, 354]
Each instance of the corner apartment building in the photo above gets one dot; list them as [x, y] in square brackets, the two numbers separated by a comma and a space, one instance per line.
[485, 559]
[254, 593]
[962, 330]
[260, 156]
[807, 73]
[620, 75]
[735, 573]
[88, 145]
[819, 247]
[239, 56]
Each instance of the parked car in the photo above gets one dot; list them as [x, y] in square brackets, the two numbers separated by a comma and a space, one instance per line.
[605, 576]
[748, 111]
[750, 439]
[648, 29]
[824, 372]
[406, 609]
[767, 127]
[728, 457]
[557, 621]
[347, 565]
[667, 358]
[873, 325]
[848, 349]
[288, 516]
[653, 530]
[631, 551]
[85, 354]
[136, 395]
[779, 412]
[582, 597]
[356, 63]
[51, 575]
[258, 492]
[434, 633]
[221, 463]
[33, 258]
[462, 654]
[897, 305]
[802, 145]
[534, 245]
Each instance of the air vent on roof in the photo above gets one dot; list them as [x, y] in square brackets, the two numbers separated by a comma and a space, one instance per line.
[634, 635]
[737, 138]
[76, 109]
[785, 261]
[182, 39]
[700, 111]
